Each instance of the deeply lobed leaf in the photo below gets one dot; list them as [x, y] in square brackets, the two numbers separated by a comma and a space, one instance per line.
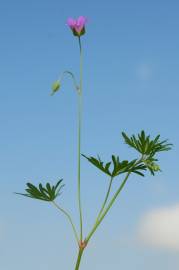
[44, 193]
[119, 167]
[146, 146]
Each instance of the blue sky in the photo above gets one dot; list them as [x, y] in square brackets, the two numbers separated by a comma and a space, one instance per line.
[131, 63]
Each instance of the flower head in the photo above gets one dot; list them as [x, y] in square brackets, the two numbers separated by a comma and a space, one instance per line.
[77, 26]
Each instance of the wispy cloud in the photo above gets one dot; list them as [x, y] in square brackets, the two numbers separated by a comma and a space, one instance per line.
[160, 228]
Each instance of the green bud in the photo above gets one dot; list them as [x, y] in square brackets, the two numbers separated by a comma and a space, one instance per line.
[55, 87]
[152, 165]
[155, 167]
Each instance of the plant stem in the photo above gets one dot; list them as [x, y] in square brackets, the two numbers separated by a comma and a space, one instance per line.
[69, 219]
[104, 203]
[79, 259]
[105, 200]
[79, 141]
[102, 215]
[108, 207]
[72, 76]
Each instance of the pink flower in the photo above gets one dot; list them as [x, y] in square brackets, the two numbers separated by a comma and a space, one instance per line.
[77, 26]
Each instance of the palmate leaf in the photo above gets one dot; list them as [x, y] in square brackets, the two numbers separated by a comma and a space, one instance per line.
[146, 146]
[126, 166]
[104, 167]
[44, 193]
[119, 167]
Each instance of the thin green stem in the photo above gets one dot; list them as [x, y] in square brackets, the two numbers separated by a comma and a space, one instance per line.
[79, 141]
[69, 219]
[73, 78]
[108, 207]
[112, 201]
[79, 259]
[105, 200]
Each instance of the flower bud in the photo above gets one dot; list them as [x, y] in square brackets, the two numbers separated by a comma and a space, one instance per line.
[155, 167]
[77, 26]
[55, 87]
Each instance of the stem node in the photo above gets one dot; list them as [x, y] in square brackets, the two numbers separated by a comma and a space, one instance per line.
[82, 244]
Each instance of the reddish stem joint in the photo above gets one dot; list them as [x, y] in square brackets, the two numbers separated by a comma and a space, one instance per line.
[82, 244]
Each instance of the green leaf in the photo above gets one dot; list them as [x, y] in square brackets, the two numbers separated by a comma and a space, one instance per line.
[146, 146]
[44, 193]
[119, 167]
[99, 164]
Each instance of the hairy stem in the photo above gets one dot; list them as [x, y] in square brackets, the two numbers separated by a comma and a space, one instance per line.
[69, 219]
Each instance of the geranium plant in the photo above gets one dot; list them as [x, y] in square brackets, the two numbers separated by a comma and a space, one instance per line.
[146, 148]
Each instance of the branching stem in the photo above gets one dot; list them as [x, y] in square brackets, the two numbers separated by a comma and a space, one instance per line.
[105, 200]
[69, 219]
[108, 207]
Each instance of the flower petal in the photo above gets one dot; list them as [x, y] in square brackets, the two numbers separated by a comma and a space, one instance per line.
[80, 24]
[81, 21]
[71, 22]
